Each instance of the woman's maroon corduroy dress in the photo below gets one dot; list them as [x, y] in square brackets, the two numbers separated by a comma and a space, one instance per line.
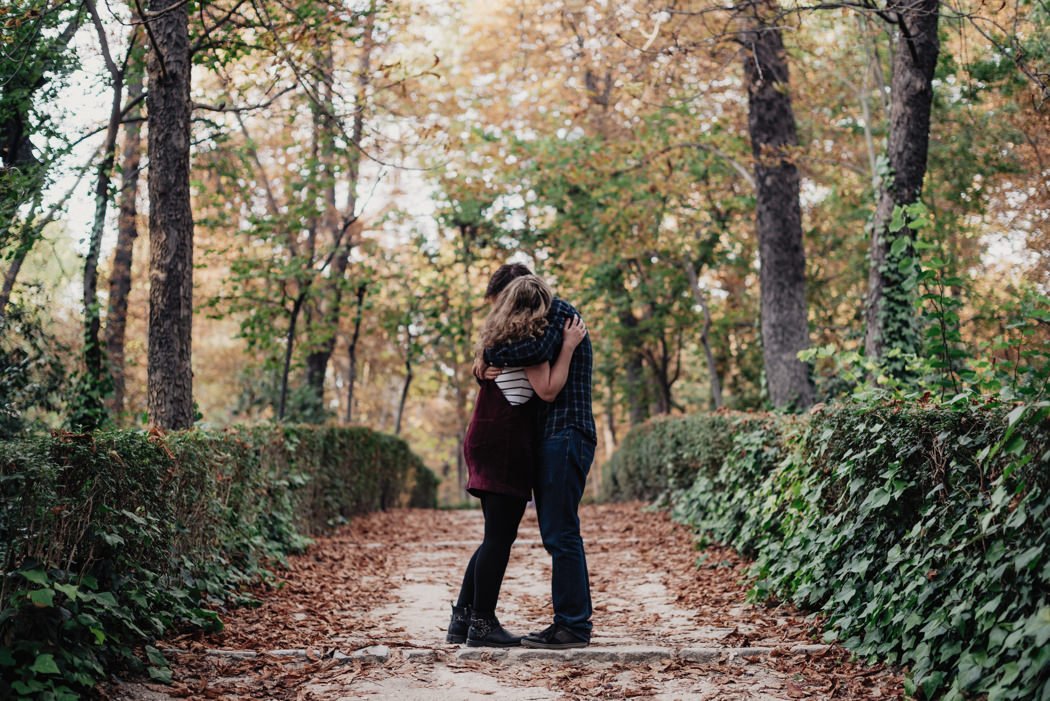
[500, 446]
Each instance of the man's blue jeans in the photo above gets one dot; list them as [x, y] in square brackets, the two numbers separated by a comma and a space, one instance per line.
[565, 460]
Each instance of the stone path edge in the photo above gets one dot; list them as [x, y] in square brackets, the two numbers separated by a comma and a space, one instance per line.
[619, 654]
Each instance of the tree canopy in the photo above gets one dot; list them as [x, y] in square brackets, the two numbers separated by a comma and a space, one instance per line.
[759, 205]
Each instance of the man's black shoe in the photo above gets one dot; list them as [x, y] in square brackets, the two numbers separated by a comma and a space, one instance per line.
[555, 637]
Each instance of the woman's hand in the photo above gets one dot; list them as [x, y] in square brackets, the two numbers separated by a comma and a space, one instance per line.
[575, 331]
[484, 371]
[549, 379]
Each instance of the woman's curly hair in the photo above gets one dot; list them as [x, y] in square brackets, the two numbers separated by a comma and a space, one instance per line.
[519, 312]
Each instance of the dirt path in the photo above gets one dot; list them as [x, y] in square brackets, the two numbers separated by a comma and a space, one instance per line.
[362, 615]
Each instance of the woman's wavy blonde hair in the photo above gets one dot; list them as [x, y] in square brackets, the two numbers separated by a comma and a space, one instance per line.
[519, 312]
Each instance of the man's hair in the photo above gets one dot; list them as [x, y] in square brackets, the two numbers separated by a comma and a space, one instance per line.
[503, 276]
[519, 312]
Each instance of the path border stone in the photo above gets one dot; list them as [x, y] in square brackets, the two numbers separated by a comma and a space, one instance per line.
[621, 654]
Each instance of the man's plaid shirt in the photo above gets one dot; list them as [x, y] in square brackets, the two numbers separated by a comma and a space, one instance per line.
[572, 407]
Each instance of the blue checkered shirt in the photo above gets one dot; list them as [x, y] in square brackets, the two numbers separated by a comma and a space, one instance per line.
[572, 407]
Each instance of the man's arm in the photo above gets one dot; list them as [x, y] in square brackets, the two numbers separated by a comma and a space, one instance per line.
[530, 351]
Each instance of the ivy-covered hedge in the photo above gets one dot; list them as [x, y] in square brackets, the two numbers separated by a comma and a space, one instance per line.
[921, 534]
[108, 540]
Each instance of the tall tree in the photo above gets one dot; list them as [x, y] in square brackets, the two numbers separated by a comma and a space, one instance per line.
[351, 350]
[170, 375]
[94, 385]
[774, 141]
[127, 231]
[341, 227]
[890, 309]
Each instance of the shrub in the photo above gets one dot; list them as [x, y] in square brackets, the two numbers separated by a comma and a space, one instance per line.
[921, 534]
[108, 540]
[664, 454]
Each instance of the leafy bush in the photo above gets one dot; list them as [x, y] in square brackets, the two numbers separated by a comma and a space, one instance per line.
[664, 454]
[31, 372]
[108, 540]
[920, 533]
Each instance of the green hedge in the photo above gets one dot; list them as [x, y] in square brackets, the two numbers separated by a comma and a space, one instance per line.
[921, 534]
[663, 455]
[108, 540]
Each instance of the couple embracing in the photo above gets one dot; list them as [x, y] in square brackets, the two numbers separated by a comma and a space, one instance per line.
[532, 434]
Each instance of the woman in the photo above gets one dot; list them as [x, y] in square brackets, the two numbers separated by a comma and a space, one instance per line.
[500, 450]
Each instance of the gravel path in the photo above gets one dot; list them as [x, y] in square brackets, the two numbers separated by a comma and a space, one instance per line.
[362, 615]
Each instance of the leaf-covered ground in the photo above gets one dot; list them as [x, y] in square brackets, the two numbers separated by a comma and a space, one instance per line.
[387, 579]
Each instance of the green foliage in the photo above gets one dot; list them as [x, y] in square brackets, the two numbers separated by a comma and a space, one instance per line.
[109, 540]
[35, 61]
[919, 533]
[1015, 365]
[897, 320]
[665, 454]
[641, 212]
[31, 372]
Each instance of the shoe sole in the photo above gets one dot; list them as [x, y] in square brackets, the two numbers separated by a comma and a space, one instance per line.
[478, 643]
[456, 639]
[551, 646]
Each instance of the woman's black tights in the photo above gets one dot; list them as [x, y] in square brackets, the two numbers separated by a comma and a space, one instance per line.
[484, 575]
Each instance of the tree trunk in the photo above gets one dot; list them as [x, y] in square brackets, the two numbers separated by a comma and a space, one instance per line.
[890, 311]
[11, 274]
[351, 375]
[705, 337]
[170, 374]
[127, 233]
[611, 439]
[289, 347]
[771, 123]
[659, 361]
[317, 361]
[634, 370]
[91, 397]
[405, 387]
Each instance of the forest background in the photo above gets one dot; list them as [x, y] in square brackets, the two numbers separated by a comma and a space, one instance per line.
[359, 169]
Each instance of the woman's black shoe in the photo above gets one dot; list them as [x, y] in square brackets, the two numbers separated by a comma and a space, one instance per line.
[555, 637]
[485, 631]
[457, 627]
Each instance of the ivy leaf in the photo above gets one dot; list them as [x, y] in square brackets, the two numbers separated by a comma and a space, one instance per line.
[45, 664]
[1038, 626]
[877, 498]
[1024, 559]
[991, 606]
[69, 590]
[42, 598]
[1015, 415]
[35, 576]
[897, 221]
[155, 656]
[931, 683]
[899, 245]
[1016, 445]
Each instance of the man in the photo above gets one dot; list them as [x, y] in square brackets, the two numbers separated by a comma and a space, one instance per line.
[566, 453]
